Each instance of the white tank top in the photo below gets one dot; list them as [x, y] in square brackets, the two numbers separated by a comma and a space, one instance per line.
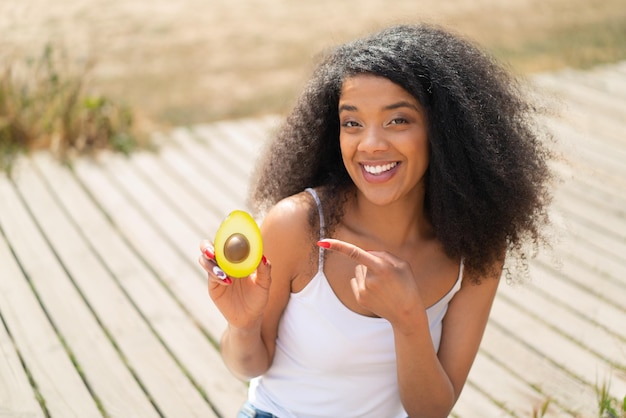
[331, 361]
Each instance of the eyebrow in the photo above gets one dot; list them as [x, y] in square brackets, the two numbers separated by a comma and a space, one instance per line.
[398, 105]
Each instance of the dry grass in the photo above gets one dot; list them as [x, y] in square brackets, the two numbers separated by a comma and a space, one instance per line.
[194, 61]
[45, 103]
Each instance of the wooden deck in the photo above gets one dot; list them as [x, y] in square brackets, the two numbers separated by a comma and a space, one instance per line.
[105, 313]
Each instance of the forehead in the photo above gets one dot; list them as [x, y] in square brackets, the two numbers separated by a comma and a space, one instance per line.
[372, 89]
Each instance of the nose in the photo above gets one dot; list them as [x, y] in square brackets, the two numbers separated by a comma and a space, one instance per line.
[373, 140]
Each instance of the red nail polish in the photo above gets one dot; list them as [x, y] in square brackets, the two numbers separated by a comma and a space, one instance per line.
[264, 260]
[228, 280]
[323, 244]
[209, 253]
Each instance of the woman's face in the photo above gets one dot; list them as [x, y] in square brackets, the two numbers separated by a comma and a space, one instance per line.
[384, 139]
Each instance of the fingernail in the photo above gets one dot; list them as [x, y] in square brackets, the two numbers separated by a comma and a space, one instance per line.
[323, 244]
[264, 260]
[208, 252]
[227, 280]
[220, 273]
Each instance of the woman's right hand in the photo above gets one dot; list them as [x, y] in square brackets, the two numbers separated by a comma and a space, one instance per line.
[241, 301]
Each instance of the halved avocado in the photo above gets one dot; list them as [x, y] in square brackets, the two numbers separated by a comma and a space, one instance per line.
[238, 245]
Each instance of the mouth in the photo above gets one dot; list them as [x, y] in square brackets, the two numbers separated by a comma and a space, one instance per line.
[377, 170]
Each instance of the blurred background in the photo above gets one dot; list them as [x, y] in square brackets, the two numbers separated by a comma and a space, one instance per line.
[189, 61]
[116, 238]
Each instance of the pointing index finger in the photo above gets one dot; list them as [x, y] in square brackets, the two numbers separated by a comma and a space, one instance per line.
[350, 250]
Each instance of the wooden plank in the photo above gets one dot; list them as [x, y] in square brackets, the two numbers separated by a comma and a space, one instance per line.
[204, 179]
[603, 275]
[17, 397]
[609, 205]
[536, 371]
[473, 403]
[591, 270]
[590, 148]
[110, 378]
[178, 276]
[578, 115]
[594, 309]
[168, 323]
[593, 99]
[235, 161]
[507, 391]
[562, 352]
[160, 222]
[581, 272]
[218, 161]
[607, 220]
[580, 228]
[57, 379]
[593, 189]
[200, 213]
[602, 78]
[534, 302]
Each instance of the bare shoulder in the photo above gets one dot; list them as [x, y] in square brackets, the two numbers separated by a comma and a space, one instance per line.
[289, 218]
[288, 233]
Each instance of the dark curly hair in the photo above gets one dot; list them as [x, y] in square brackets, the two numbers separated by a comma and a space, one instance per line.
[488, 177]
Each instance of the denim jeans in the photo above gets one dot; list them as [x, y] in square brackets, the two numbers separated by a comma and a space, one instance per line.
[249, 411]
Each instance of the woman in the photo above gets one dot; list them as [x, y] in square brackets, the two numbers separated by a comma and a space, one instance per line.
[407, 172]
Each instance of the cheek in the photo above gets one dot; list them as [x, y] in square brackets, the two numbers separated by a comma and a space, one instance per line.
[345, 148]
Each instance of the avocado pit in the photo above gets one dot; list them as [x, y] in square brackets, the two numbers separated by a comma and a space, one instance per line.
[236, 248]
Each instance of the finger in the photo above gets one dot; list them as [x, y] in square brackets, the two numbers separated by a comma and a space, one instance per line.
[206, 248]
[215, 273]
[354, 284]
[352, 251]
[206, 264]
[263, 274]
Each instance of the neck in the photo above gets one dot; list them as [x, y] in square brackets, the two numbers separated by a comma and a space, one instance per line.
[394, 225]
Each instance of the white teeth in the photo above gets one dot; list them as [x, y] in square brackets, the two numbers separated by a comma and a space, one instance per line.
[378, 169]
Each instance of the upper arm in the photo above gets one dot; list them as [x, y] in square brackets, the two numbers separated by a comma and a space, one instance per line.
[285, 231]
[463, 327]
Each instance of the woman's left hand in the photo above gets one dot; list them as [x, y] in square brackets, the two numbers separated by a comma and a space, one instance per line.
[382, 283]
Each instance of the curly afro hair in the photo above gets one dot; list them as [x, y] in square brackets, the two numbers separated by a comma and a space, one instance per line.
[488, 178]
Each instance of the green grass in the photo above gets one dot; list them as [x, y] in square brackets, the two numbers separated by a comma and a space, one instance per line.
[46, 103]
[608, 406]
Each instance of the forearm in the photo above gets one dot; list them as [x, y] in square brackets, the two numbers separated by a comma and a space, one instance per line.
[425, 389]
[244, 352]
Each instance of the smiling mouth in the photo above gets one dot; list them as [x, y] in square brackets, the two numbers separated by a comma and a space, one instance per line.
[377, 170]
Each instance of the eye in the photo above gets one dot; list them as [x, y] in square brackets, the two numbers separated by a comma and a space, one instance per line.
[350, 124]
[399, 121]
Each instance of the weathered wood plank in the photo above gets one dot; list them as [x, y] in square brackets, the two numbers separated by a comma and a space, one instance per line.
[163, 315]
[58, 380]
[507, 391]
[203, 179]
[17, 396]
[197, 210]
[605, 79]
[534, 368]
[562, 351]
[474, 403]
[565, 321]
[213, 160]
[110, 380]
[596, 101]
[148, 221]
[179, 277]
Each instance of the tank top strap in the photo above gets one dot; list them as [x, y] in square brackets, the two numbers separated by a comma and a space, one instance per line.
[312, 192]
